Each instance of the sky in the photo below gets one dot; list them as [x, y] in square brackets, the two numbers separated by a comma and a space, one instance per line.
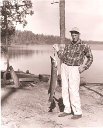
[87, 15]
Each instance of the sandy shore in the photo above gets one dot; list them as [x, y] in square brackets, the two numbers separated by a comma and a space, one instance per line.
[27, 107]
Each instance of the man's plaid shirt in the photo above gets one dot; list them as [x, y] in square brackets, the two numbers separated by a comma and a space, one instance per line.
[74, 54]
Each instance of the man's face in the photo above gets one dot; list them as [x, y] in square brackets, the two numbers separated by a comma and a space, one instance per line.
[75, 37]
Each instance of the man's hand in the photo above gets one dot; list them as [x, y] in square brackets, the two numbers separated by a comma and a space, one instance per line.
[81, 69]
[55, 46]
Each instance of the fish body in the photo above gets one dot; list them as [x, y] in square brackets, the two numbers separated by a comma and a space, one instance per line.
[53, 80]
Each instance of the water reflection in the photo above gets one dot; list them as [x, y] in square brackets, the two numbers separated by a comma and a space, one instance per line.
[25, 51]
[35, 58]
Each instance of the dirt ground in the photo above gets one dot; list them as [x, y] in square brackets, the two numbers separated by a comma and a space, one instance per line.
[27, 107]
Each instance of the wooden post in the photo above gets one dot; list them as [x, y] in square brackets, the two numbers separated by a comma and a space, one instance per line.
[62, 21]
[14, 77]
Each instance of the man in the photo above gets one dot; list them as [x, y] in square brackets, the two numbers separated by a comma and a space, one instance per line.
[72, 58]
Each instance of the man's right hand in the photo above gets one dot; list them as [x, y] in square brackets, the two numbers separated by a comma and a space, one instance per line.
[56, 47]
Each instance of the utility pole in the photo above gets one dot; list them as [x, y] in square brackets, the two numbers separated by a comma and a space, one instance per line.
[62, 21]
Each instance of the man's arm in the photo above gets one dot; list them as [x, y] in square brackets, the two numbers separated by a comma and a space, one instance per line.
[89, 61]
[89, 56]
[60, 51]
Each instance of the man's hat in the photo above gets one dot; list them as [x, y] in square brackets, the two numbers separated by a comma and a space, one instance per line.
[75, 30]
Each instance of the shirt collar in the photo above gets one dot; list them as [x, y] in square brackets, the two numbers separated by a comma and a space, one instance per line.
[78, 42]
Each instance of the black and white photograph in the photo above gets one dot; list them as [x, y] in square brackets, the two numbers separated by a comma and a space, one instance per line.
[51, 63]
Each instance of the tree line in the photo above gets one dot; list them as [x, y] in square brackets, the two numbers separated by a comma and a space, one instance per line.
[28, 37]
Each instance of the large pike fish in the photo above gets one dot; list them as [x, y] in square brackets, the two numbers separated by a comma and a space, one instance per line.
[53, 80]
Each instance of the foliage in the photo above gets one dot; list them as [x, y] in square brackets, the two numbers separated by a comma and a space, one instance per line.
[13, 12]
[27, 37]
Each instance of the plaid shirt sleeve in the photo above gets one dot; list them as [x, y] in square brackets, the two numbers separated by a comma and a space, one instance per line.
[89, 56]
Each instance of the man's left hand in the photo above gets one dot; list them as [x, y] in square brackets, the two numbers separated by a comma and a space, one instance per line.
[81, 69]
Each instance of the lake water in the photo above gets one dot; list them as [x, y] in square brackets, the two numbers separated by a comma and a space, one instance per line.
[36, 59]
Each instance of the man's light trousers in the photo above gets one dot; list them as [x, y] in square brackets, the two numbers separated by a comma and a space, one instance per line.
[70, 89]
